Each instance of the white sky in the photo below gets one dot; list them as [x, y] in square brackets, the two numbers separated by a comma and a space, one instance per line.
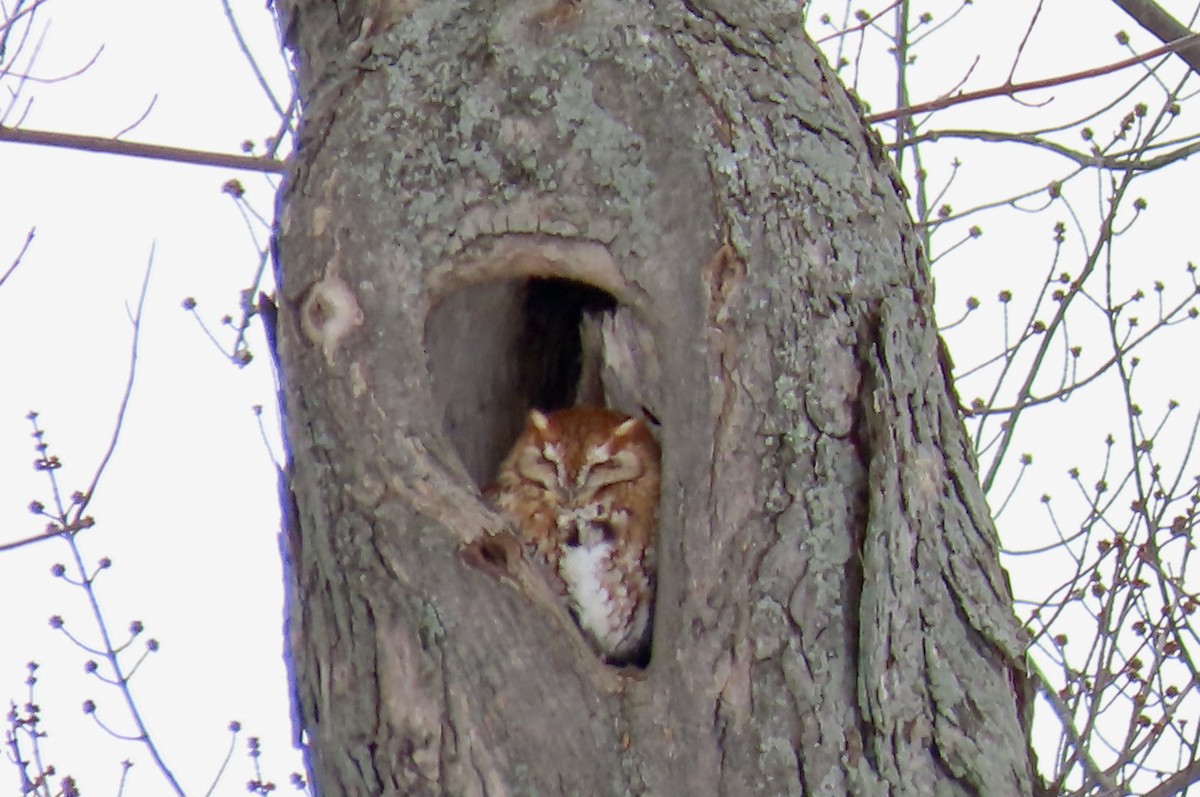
[187, 510]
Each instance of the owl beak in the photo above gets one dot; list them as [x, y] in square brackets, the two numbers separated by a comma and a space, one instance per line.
[575, 493]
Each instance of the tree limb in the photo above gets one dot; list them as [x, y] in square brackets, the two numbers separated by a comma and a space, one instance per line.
[1153, 18]
[1180, 781]
[132, 148]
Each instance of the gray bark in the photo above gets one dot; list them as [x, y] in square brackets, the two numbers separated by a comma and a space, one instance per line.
[831, 618]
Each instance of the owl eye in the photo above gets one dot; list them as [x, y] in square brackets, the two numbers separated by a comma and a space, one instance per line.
[541, 464]
[621, 466]
[552, 455]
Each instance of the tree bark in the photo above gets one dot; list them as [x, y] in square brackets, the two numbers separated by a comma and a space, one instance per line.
[831, 615]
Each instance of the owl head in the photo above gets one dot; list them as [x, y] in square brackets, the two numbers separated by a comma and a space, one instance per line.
[577, 453]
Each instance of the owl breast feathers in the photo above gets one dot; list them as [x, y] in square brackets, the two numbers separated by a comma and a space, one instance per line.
[582, 487]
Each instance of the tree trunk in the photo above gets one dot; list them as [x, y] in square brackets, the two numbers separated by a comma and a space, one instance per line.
[831, 615]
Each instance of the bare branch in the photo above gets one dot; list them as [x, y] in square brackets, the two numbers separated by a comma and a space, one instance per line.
[9, 546]
[20, 11]
[863, 25]
[1177, 783]
[1128, 162]
[1153, 18]
[1010, 89]
[137, 150]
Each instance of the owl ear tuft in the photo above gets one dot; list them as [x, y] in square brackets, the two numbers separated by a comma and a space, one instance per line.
[539, 421]
[625, 427]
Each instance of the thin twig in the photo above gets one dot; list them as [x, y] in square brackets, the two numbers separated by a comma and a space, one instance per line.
[1067, 721]
[258, 75]
[129, 381]
[129, 128]
[28, 76]
[17, 260]
[866, 23]
[234, 728]
[1037, 12]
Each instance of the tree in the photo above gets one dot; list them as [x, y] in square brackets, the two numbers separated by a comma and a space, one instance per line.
[1110, 635]
[831, 612]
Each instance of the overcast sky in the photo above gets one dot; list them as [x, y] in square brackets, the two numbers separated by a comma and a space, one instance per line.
[187, 510]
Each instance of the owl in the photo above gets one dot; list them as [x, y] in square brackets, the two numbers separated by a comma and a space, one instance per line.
[581, 485]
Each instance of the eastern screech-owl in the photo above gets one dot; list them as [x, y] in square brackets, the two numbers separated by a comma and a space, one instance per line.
[582, 485]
